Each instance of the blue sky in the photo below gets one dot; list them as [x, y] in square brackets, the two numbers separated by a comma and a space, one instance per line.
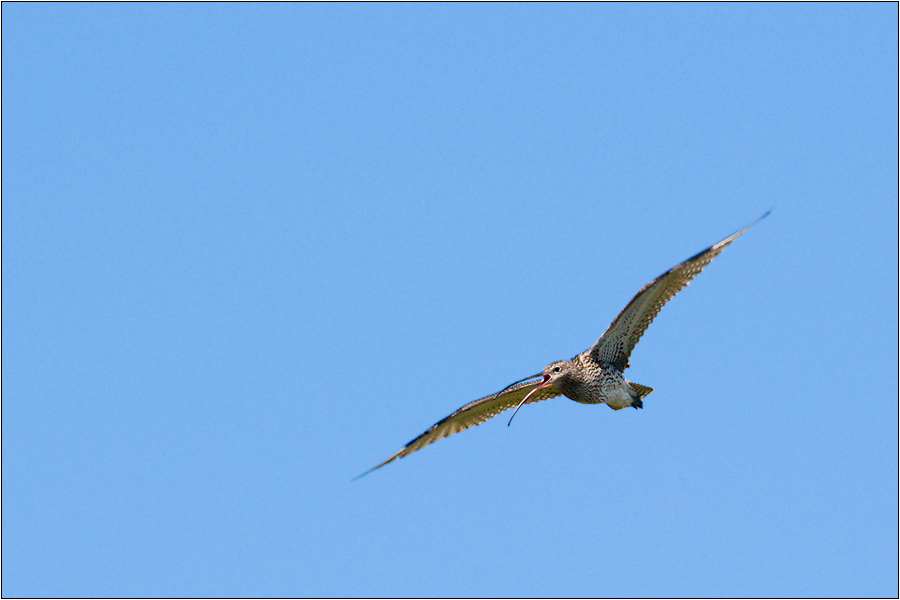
[249, 251]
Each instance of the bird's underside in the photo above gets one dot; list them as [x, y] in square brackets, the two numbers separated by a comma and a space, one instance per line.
[592, 377]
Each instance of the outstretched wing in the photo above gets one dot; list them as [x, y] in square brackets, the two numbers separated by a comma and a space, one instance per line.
[620, 338]
[472, 414]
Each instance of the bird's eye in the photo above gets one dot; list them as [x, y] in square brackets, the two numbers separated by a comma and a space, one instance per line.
[556, 369]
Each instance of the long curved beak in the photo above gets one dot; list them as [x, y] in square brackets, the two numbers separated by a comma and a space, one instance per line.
[525, 399]
[516, 383]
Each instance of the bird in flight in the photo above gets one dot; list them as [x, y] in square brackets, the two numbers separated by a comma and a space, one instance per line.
[592, 377]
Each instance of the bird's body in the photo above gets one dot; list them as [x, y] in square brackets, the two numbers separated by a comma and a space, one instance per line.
[594, 376]
[585, 380]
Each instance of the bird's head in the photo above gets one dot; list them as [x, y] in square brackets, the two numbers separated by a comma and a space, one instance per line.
[557, 374]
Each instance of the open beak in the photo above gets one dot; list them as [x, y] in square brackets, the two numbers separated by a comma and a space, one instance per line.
[516, 383]
[525, 399]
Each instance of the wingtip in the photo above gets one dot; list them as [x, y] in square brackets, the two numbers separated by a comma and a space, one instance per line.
[740, 231]
[392, 458]
[364, 473]
[757, 220]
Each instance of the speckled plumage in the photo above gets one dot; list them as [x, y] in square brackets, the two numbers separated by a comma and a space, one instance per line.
[592, 377]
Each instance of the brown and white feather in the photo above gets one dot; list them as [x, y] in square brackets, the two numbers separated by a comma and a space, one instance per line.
[472, 414]
[619, 339]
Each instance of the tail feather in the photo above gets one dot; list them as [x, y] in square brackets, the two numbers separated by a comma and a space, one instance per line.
[640, 390]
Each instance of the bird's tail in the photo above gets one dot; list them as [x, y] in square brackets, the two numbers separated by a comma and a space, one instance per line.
[640, 390]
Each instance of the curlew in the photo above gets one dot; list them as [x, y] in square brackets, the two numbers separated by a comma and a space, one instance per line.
[592, 377]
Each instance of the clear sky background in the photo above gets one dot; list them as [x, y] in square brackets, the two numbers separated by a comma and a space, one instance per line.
[249, 251]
